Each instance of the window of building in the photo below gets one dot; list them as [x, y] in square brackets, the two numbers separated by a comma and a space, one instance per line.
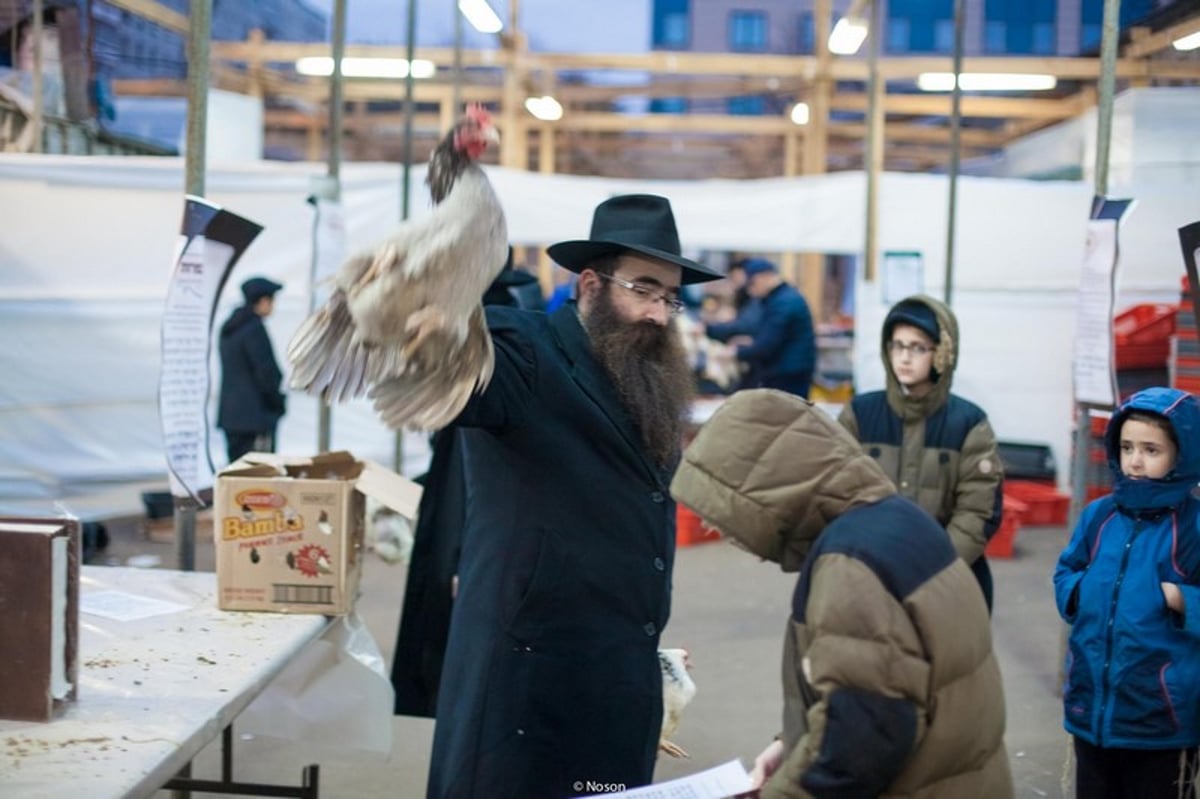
[922, 25]
[943, 36]
[994, 34]
[674, 31]
[747, 106]
[898, 35]
[747, 31]
[672, 27]
[1089, 36]
[1020, 26]
[669, 105]
[1091, 18]
[807, 34]
[1045, 38]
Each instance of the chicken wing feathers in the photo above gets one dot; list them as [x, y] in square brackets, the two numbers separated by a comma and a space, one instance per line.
[430, 394]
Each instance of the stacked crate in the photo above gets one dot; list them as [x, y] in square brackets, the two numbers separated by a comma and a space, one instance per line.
[1185, 347]
[1098, 480]
[1142, 346]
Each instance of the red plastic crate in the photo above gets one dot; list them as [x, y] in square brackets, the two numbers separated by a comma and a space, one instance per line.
[1045, 504]
[689, 529]
[1144, 324]
[1142, 356]
[1002, 543]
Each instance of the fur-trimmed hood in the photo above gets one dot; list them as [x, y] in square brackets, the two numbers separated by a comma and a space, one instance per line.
[945, 359]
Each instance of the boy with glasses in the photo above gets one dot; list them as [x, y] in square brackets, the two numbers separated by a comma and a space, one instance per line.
[937, 447]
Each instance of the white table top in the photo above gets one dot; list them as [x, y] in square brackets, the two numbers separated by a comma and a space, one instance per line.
[152, 692]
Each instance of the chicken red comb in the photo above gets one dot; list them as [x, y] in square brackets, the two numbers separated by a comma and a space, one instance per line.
[478, 113]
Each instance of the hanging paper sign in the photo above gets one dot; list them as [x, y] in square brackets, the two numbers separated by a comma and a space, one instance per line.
[212, 241]
[329, 237]
[1189, 240]
[1095, 380]
[903, 276]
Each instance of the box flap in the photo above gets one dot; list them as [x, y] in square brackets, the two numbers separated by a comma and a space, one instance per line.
[383, 485]
[256, 464]
[339, 465]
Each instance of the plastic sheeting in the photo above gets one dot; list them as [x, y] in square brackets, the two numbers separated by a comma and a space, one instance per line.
[87, 244]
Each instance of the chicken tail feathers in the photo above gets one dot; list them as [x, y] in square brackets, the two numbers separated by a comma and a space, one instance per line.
[327, 360]
[428, 395]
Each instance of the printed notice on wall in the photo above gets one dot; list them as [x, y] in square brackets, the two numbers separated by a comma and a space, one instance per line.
[329, 237]
[1092, 366]
[211, 243]
[903, 276]
[1189, 240]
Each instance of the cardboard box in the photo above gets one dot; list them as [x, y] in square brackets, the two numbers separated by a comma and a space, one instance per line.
[289, 532]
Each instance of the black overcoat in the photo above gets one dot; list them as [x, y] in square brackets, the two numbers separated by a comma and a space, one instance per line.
[425, 616]
[551, 684]
[250, 400]
[437, 538]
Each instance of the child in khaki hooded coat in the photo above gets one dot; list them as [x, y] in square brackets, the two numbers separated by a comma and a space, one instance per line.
[890, 683]
[937, 448]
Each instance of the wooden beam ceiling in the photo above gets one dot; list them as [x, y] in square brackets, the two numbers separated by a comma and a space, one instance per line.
[1152, 43]
[723, 64]
[916, 133]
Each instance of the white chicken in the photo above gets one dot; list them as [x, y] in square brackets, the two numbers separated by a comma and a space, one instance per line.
[389, 535]
[678, 690]
[405, 318]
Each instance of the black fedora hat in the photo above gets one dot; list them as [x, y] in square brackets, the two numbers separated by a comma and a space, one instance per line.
[642, 223]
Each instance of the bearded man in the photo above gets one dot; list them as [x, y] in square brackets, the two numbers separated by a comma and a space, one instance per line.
[551, 685]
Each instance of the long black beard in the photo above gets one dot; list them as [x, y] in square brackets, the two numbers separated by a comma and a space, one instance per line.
[650, 370]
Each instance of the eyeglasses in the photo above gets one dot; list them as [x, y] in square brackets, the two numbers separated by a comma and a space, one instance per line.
[647, 294]
[916, 348]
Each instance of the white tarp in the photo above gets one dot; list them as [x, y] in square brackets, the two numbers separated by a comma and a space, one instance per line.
[86, 247]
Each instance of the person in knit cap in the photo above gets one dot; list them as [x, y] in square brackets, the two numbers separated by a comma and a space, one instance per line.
[937, 447]
[250, 404]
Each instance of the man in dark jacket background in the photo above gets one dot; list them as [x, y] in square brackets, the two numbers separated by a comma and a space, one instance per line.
[784, 350]
[251, 403]
[551, 685]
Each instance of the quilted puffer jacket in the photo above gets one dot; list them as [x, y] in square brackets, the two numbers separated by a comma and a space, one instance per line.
[891, 686]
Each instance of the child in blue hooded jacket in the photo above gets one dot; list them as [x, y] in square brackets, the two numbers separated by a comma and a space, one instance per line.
[1129, 585]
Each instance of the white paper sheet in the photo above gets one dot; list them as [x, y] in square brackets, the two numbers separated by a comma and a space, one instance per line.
[1094, 379]
[120, 606]
[728, 779]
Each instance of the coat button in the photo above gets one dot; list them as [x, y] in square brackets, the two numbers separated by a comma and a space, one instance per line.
[520, 732]
[660, 565]
[650, 629]
[657, 496]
